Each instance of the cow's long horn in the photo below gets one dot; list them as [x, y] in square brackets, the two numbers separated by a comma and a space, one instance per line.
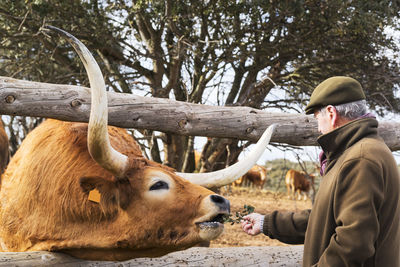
[98, 141]
[230, 174]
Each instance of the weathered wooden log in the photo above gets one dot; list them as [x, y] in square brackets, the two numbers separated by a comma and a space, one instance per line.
[197, 256]
[72, 103]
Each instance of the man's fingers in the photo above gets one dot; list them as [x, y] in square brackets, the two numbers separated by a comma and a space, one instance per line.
[246, 217]
[247, 227]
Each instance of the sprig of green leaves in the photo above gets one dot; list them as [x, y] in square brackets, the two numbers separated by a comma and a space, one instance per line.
[247, 209]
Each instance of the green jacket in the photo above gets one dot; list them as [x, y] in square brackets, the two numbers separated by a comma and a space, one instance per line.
[355, 220]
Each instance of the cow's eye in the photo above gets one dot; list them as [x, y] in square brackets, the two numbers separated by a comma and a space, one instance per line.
[159, 185]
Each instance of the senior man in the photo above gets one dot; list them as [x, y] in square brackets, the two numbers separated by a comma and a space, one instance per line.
[355, 220]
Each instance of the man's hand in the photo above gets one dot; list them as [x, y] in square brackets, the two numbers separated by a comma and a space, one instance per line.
[251, 223]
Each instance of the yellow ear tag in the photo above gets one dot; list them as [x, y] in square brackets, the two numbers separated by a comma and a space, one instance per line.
[94, 195]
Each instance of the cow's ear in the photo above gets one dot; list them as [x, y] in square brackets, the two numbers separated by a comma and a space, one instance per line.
[101, 190]
[90, 183]
[109, 193]
[125, 192]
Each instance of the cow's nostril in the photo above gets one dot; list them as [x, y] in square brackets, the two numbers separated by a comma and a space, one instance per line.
[221, 202]
[217, 199]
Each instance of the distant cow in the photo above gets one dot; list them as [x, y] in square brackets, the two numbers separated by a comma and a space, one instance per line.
[300, 183]
[4, 151]
[256, 176]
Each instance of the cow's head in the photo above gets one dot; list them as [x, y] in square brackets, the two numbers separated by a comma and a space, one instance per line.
[150, 212]
[87, 190]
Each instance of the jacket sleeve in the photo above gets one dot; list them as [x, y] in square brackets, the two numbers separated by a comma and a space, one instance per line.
[287, 227]
[358, 197]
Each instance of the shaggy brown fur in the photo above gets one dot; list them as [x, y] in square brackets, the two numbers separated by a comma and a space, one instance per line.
[4, 150]
[44, 200]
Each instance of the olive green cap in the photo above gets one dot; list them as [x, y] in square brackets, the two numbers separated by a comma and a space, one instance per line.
[335, 91]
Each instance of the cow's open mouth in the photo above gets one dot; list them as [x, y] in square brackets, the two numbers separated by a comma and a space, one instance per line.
[214, 222]
[211, 227]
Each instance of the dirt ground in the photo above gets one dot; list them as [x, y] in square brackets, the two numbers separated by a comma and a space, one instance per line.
[264, 202]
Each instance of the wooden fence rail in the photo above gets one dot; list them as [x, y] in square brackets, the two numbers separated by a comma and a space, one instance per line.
[197, 256]
[72, 103]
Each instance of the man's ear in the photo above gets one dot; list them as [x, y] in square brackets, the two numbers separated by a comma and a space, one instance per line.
[333, 115]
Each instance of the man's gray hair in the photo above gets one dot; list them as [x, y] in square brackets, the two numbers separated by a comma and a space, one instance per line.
[352, 110]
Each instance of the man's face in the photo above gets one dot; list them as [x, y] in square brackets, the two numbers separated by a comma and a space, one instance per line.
[324, 119]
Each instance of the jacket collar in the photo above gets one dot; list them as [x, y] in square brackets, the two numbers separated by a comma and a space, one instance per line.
[337, 141]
